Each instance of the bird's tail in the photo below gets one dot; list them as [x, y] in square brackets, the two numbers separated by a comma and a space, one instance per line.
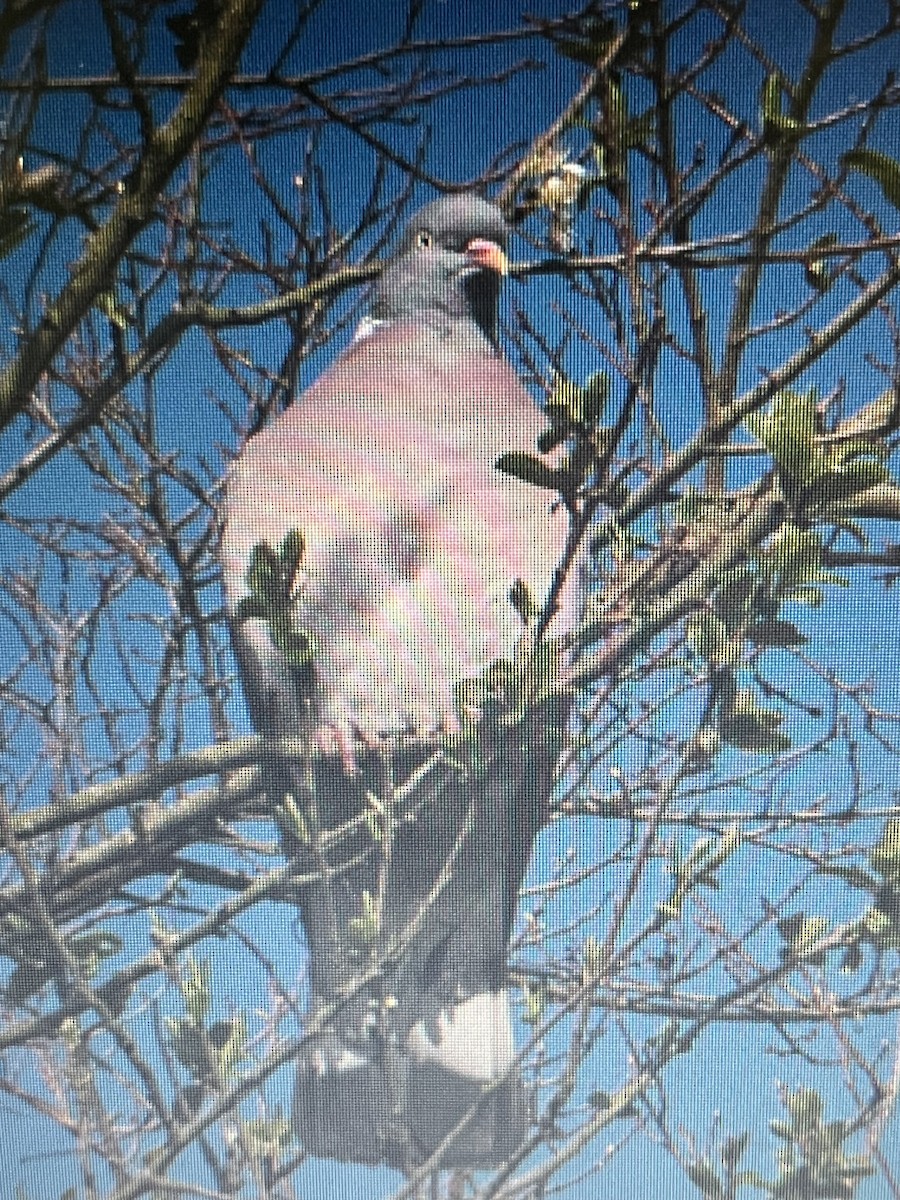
[453, 1087]
[408, 939]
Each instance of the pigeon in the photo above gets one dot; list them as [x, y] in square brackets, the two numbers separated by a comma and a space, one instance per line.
[372, 550]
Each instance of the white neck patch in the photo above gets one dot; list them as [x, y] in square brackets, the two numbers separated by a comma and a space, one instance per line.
[366, 328]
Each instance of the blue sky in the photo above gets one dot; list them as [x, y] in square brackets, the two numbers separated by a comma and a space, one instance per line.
[193, 403]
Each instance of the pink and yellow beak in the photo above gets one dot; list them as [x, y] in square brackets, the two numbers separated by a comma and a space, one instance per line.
[488, 255]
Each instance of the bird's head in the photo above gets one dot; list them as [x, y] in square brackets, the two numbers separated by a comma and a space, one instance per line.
[450, 261]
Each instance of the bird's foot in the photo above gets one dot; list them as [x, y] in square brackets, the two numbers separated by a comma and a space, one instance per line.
[337, 741]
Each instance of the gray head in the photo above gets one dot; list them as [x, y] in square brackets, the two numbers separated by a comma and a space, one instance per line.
[454, 221]
[448, 266]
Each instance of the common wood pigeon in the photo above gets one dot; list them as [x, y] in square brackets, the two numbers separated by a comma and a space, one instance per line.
[399, 591]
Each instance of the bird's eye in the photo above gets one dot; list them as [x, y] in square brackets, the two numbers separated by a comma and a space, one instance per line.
[423, 238]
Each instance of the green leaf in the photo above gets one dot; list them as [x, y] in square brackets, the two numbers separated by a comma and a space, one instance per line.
[565, 402]
[604, 1101]
[853, 957]
[733, 1150]
[291, 551]
[593, 958]
[229, 1040]
[885, 855]
[881, 929]
[272, 579]
[795, 554]
[522, 600]
[110, 307]
[220, 1033]
[855, 477]
[251, 608]
[813, 596]
[740, 594]
[754, 733]
[819, 274]
[116, 994]
[268, 1135]
[537, 997]
[771, 99]
[591, 49]
[195, 985]
[298, 646]
[271, 574]
[530, 470]
[594, 398]
[26, 981]
[15, 227]
[699, 751]
[571, 404]
[374, 825]
[551, 438]
[92, 948]
[880, 167]
[806, 1108]
[776, 125]
[801, 932]
[191, 1098]
[190, 1046]
[263, 577]
[751, 1179]
[709, 637]
[703, 1175]
[698, 867]
[789, 431]
[364, 929]
[640, 131]
[775, 633]
[745, 725]
[293, 820]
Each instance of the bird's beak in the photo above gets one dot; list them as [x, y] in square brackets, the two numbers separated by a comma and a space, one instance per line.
[487, 255]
